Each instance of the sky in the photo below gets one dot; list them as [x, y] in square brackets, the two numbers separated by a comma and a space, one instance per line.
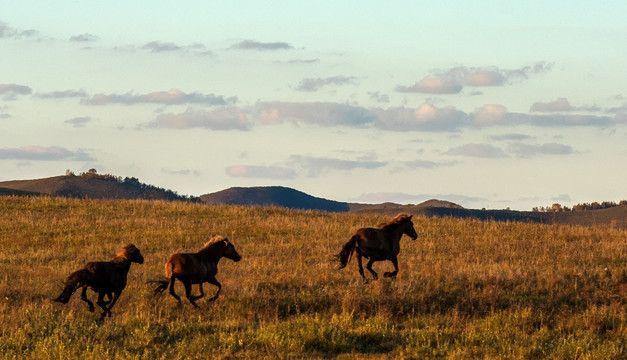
[488, 104]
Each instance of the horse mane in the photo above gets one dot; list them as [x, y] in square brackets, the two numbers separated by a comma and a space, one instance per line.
[214, 240]
[126, 251]
[395, 221]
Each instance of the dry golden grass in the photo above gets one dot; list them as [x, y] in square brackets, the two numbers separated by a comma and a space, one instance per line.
[466, 289]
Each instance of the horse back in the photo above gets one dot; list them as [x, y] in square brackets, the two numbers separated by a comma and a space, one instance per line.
[189, 266]
[105, 275]
[375, 244]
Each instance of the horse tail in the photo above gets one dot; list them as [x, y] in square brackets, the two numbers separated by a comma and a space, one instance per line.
[344, 257]
[163, 284]
[72, 283]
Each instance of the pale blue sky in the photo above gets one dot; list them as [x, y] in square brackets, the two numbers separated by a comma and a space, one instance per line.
[486, 103]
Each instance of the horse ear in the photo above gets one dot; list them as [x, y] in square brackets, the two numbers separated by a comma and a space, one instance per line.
[410, 216]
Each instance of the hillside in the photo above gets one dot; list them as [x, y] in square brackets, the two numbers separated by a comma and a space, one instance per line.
[91, 185]
[273, 196]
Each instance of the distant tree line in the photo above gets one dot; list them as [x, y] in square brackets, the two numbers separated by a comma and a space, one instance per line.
[134, 182]
[580, 207]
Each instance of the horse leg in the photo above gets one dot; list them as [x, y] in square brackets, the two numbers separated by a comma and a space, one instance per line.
[188, 292]
[395, 263]
[369, 267]
[361, 267]
[116, 296]
[202, 293]
[171, 290]
[85, 299]
[103, 304]
[214, 281]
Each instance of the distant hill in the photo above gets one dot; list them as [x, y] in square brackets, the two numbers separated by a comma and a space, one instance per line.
[13, 192]
[90, 185]
[273, 196]
[290, 198]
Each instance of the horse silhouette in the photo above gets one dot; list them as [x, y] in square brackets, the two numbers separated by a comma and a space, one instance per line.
[378, 244]
[104, 277]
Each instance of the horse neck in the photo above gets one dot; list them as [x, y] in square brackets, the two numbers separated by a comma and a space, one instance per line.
[123, 261]
[397, 231]
[210, 254]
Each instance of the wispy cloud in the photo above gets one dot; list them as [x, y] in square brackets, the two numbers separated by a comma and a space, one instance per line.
[527, 150]
[170, 97]
[225, 118]
[8, 32]
[78, 121]
[11, 91]
[559, 105]
[40, 153]
[452, 81]
[319, 113]
[261, 172]
[314, 84]
[478, 150]
[315, 166]
[62, 94]
[166, 47]
[84, 38]
[261, 46]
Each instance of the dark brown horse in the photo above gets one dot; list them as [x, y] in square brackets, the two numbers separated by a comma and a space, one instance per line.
[378, 244]
[104, 277]
[197, 268]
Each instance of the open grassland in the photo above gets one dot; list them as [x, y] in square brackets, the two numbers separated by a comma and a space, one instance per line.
[466, 288]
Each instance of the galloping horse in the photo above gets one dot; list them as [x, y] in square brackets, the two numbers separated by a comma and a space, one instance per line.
[197, 268]
[378, 244]
[103, 277]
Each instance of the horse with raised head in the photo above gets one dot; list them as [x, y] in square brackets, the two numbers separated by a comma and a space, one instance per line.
[378, 244]
[197, 268]
[104, 277]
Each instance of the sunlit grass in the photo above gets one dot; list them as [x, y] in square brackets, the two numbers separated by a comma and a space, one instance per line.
[466, 288]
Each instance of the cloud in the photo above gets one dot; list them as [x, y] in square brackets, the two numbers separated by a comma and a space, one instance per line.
[426, 164]
[506, 137]
[442, 84]
[495, 114]
[83, 38]
[157, 46]
[526, 150]
[62, 94]
[8, 32]
[314, 84]
[478, 150]
[261, 46]
[318, 113]
[10, 91]
[453, 80]
[314, 166]
[559, 105]
[78, 121]
[263, 172]
[170, 97]
[226, 118]
[53, 153]
[426, 117]
[166, 47]
[183, 172]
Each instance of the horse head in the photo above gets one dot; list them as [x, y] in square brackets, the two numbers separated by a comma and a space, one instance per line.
[230, 252]
[133, 254]
[409, 228]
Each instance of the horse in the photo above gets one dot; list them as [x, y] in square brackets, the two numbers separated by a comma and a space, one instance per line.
[378, 244]
[197, 268]
[104, 277]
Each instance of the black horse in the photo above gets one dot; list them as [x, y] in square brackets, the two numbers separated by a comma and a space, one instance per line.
[378, 244]
[104, 277]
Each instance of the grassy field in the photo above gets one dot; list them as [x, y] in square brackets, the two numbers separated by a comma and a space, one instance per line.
[466, 288]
